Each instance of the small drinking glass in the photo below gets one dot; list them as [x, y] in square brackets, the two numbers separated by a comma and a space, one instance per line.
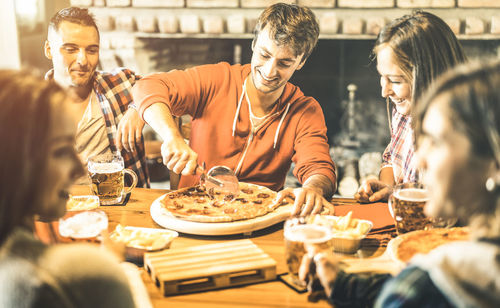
[299, 233]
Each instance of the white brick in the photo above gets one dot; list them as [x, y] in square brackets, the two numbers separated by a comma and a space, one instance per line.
[168, 24]
[212, 3]
[158, 3]
[317, 3]
[365, 3]
[190, 24]
[425, 3]
[236, 24]
[125, 23]
[478, 3]
[81, 2]
[474, 25]
[104, 22]
[118, 2]
[352, 25]
[495, 24]
[262, 3]
[146, 23]
[328, 23]
[213, 24]
[454, 24]
[374, 25]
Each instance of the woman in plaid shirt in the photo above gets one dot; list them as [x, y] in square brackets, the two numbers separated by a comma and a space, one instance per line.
[411, 52]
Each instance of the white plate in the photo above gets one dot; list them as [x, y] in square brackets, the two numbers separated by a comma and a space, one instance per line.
[392, 250]
[169, 221]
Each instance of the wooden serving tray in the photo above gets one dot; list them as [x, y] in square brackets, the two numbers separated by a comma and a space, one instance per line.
[207, 267]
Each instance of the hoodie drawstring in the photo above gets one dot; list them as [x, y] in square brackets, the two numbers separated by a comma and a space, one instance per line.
[239, 107]
[243, 93]
[279, 125]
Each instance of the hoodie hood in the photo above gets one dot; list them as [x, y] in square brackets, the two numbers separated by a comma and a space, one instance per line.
[467, 273]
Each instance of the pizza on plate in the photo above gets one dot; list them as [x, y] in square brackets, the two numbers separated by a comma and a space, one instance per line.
[423, 241]
[197, 204]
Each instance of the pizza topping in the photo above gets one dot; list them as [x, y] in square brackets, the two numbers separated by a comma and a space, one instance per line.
[257, 201]
[247, 191]
[217, 204]
[199, 188]
[178, 205]
[193, 211]
[263, 195]
[242, 200]
[199, 200]
[230, 210]
[228, 197]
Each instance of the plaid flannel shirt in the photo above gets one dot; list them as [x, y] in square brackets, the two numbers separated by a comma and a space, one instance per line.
[399, 154]
[113, 92]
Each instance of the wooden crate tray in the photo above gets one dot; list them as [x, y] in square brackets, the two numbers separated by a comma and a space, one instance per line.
[207, 267]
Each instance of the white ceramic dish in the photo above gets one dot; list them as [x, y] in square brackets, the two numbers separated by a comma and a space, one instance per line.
[135, 252]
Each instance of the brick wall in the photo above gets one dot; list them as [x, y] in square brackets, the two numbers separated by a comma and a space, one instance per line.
[338, 18]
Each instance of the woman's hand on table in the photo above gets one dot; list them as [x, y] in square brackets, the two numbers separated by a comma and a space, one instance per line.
[307, 201]
[323, 266]
[373, 190]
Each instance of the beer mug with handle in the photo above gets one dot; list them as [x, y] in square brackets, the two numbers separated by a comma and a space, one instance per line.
[107, 177]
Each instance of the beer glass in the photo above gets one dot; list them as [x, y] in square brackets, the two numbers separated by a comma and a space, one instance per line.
[406, 205]
[298, 234]
[107, 173]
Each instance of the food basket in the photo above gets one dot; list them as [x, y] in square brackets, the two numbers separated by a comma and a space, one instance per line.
[347, 232]
[139, 240]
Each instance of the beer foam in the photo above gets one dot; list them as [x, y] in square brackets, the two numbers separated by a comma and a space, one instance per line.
[105, 168]
[412, 194]
[308, 234]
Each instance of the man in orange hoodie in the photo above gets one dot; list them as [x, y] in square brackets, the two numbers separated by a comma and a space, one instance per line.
[248, 117]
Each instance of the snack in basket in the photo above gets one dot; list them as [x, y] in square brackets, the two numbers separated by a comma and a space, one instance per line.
[423, 241]
[82, 203]
[196, 204]
[143, 238]
[347, 232]
[344, 226]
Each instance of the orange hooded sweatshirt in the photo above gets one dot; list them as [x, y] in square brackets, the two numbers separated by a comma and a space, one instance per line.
[221, 131]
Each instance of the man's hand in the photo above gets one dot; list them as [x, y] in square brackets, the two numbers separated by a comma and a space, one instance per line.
[129, 131]
[307, 200]
[179, 157]
[373, 190]
[322, 265]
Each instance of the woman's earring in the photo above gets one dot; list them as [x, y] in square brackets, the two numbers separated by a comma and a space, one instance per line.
[493, 182]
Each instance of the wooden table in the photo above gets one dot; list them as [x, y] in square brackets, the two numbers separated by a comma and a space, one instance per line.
[269, 294]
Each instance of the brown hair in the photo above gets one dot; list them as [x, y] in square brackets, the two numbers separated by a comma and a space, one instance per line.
[76, 15]
[425, 47]
[291, 25]
[25, 101]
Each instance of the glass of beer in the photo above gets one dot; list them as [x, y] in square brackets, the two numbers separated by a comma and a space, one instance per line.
[406, 205]
[299, 233]
[107, 176]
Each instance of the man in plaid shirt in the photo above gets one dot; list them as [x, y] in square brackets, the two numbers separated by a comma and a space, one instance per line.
[102, 100]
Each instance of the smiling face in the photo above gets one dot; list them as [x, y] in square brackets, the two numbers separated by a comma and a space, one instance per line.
[392, 80]
[63, 165]
[272, 64]
[455, 176]
[74, 51]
